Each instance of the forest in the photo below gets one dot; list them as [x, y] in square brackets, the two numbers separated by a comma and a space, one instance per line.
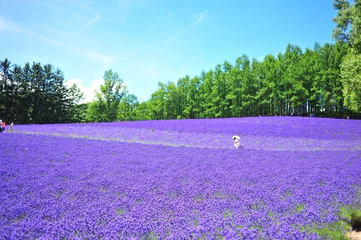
[324, 81]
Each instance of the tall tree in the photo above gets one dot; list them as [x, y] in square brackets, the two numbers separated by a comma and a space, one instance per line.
[106, 104]
[192, 109]
[24, 96]
[77, 110]
[290, 83]
[248, 87]
[13, 97]
[5, 76]
[234, 95]
[209, 110]
[158, 102]
[143, 111]
[128, 107]
[183, 85]
[268, 92]
[348, 28]
[37, 93]
[34, 94]
[172, 101]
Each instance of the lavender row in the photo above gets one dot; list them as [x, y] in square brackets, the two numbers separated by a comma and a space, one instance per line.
[194, 139]
[285, 127]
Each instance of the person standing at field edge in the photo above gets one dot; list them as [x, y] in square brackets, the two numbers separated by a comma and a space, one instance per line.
[3, 125]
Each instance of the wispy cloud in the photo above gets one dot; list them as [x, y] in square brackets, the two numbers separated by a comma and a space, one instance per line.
[198, 19]
[89, 23]
[97, 56]
[69, 47]
[7, 25]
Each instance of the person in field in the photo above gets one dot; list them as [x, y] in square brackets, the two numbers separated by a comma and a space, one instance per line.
[236, 141]
[3, 125]
[11, 127]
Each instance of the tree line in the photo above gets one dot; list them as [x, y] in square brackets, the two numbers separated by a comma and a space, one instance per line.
[296, 82]
[323, 81]
[291, 83]
[36, 93]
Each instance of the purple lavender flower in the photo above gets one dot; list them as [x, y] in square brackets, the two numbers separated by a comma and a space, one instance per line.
[182, 179]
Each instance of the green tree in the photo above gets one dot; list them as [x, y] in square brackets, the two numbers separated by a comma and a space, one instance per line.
[248, 90]
[183, 85]
[106, 104]
[309, 69]
[268, 92]
[234, 95]
[172, 101]
[128, 107]
[143, 111]
[37, 94]
[209, 110]
[5, 77]
[192, 109]
[348, 25]
[290, 83]
[77, 111]
[13, 96]
[157, 102]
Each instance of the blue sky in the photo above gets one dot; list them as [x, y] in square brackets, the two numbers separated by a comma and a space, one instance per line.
[151, 41]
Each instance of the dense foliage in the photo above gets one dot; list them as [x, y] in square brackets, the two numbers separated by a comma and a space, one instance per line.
[292, 178]
[348, 26]
[36, 94]
[293, 83]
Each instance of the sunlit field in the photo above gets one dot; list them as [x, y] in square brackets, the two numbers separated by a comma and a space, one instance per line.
[291, 178]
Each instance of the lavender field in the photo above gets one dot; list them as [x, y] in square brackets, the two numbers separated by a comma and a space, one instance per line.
[292, 178]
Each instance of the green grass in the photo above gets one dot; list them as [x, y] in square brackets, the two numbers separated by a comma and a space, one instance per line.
[349, 218]
[227, 214]
[299, 208]
[121, 211]
[352, 215]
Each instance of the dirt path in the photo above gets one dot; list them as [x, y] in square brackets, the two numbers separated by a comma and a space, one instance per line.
[354, 235]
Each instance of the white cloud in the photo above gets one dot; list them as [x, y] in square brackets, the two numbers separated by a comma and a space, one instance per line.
[89, 92]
